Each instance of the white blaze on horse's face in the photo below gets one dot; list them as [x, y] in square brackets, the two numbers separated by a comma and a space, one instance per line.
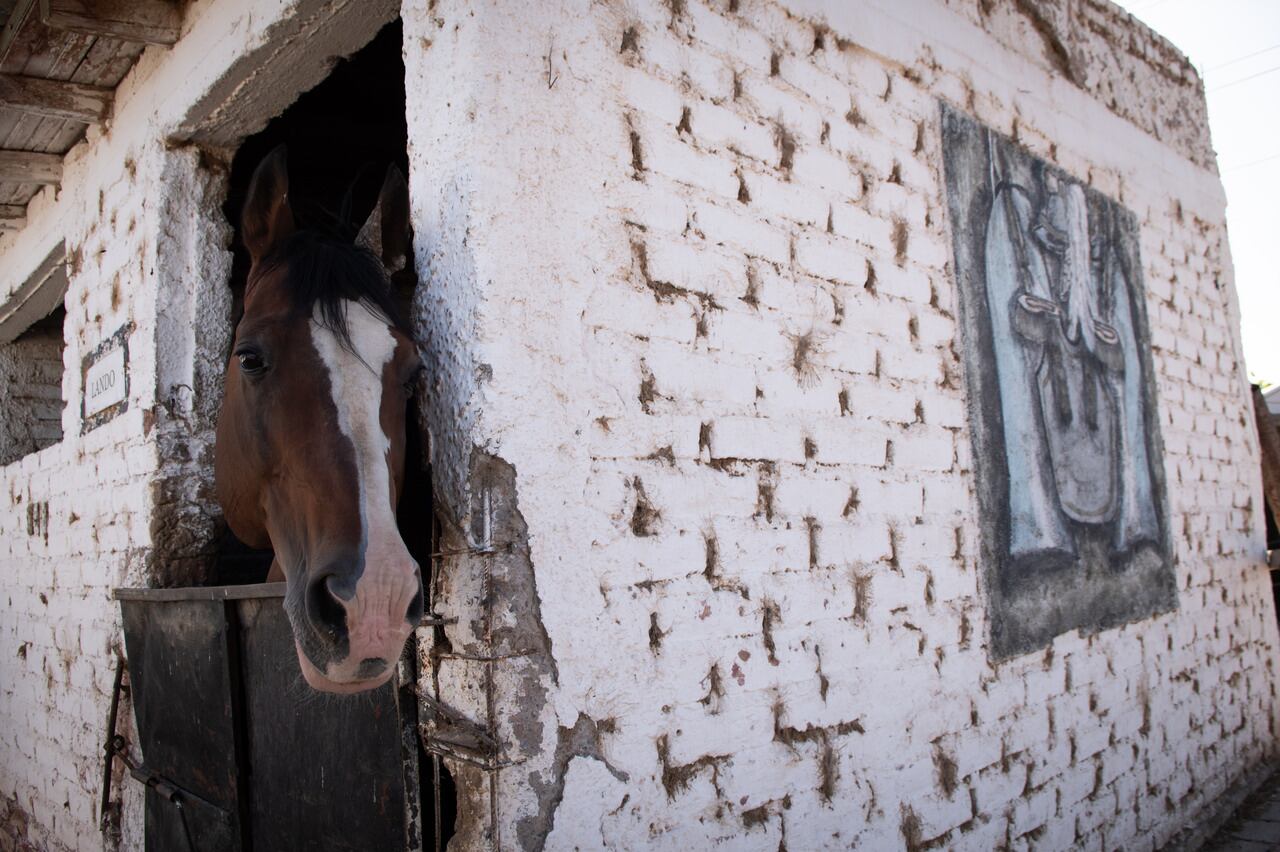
[375, 613]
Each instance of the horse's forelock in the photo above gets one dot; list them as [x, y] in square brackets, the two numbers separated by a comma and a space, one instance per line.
[321, 273]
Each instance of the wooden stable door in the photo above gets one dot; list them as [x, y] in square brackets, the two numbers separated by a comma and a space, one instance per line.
[260, 761]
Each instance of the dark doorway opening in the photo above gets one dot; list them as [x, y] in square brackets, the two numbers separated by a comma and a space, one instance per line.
[31, 384]
[341, 137]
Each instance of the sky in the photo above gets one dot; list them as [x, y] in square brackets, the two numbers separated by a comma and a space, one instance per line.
[1236, 46]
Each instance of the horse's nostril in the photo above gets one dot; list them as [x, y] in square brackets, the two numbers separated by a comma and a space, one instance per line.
[324, 606]
[342, 587]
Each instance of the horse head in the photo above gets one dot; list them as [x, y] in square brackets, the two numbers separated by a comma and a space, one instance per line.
[311, 436]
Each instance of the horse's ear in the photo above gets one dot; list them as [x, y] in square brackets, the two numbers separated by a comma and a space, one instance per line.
[266, 218]
[387, 232]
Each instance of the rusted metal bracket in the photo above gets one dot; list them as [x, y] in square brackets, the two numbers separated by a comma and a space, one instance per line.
[481, 658]
[447, 732]
[169, 790]
[489, 550]
[451, 734]
[109, 817]
[462, 746]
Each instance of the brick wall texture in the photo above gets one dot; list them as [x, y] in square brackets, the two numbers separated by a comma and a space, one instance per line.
[75, 525]
[688, 285]
[736, 344]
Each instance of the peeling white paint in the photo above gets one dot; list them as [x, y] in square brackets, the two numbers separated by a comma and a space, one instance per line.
[701, 495]
[715, 351]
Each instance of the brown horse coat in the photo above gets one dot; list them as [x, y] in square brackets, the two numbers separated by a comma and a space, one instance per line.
[311, 435]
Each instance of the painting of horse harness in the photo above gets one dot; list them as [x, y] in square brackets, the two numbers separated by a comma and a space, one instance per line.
[1067, 451]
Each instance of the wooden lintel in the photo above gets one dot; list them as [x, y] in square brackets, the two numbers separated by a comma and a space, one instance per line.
[148, 21]
[37, 293]
[55, 98]
[30, 167]
[12, 217]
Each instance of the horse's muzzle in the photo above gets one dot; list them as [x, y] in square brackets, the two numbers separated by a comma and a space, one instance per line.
[321, 683]
[356, 628]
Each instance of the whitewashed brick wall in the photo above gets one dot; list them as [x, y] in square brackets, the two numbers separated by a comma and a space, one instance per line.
[689, 278]
[92, 492]
[708, 259]
[129, 503]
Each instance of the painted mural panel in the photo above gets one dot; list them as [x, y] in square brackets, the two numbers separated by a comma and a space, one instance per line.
[1067, 447]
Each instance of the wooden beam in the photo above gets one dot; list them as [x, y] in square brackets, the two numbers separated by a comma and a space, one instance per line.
[17, 18]
[55, 98]
[30, 167]
[148, 21]
[12, 217]
[36, 297]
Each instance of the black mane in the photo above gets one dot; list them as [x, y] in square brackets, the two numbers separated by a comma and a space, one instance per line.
[323, 271]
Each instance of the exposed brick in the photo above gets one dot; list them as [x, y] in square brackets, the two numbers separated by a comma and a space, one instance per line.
[750, 310]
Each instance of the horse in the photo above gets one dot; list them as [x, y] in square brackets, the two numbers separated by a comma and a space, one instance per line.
[310, 446]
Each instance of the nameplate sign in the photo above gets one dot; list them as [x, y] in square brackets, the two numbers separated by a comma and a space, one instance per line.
[104, 383]
[105, 391]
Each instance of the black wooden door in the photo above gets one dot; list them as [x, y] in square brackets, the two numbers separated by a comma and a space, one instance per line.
[263, 762]
[325, 772]
[181, 654]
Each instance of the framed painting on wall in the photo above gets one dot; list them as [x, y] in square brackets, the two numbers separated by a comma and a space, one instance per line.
[1067, 450]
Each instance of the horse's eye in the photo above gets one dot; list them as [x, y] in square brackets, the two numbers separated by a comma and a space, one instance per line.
[251, 363]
